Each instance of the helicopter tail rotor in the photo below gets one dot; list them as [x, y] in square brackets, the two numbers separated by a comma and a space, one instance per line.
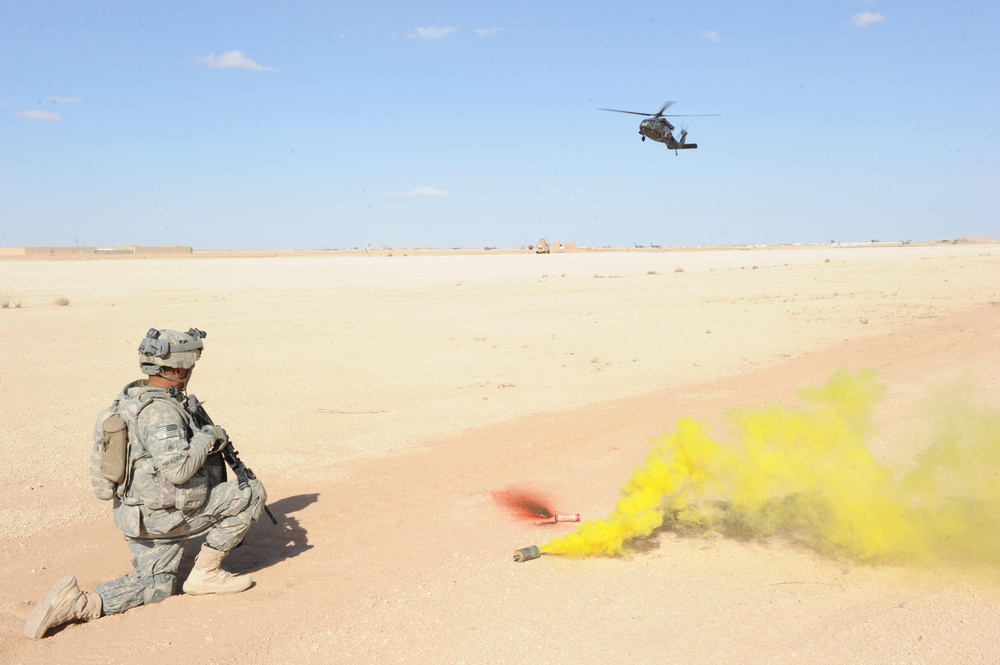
[682, 143]
[684, 133]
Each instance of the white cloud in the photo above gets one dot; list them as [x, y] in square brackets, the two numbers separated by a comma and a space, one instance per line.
[866, 19]
[232, 60]
[712, 36]
[66, 100]
[39, 115]
[418, 191]
[431, 33]
[488, 32]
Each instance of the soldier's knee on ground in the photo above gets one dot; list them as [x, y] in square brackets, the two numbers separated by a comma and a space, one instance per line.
[163, 585]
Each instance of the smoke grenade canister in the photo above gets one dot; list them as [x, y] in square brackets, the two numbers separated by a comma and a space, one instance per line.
[527, 554]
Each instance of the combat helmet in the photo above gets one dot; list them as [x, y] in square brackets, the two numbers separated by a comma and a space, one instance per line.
[170, 348]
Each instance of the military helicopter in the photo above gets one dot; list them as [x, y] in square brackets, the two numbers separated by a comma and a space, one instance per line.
[657, 127]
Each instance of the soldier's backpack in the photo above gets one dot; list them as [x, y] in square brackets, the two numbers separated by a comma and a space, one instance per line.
[110, 470]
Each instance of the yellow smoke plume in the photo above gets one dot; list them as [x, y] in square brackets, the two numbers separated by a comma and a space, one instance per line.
[805, 474]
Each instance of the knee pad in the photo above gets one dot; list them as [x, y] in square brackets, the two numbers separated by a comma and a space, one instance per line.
[163, 586]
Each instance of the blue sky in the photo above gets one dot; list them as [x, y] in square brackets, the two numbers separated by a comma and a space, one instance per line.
[310, 125]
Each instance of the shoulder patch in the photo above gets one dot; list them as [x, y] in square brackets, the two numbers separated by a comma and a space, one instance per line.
[164, 432]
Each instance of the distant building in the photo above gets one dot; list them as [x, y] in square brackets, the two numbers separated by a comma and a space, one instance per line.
[131, 250]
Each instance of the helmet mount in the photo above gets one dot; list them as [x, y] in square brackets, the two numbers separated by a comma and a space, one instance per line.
[170, 348]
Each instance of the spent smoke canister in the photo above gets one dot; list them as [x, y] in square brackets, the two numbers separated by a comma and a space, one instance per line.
[575, 517]
[527, 554]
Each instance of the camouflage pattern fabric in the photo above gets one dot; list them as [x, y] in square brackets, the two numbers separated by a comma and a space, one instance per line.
[169, 466]
[224, 519]
[176, 492]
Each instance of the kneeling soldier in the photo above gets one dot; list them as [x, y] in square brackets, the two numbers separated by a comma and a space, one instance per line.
[174, 489]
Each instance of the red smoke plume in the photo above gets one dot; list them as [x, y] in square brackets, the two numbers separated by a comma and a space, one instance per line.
[524, 504]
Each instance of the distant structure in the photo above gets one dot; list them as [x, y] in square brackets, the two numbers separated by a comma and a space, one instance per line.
[131, 250]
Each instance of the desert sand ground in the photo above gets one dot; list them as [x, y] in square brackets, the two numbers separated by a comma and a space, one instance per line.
[384, 399]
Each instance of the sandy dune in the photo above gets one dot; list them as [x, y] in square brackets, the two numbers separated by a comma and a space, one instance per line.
[382, 400]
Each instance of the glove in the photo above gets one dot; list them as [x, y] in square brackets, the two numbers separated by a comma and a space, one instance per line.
[219, 436]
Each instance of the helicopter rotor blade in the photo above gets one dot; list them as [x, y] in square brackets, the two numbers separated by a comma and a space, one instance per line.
[663, 108]
[620, 111]
[661, 114]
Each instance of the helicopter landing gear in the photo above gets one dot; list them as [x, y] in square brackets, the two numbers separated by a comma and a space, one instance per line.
[643, 138]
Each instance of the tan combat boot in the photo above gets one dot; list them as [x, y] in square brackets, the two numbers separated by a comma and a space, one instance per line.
[207, 577]
[65, 602]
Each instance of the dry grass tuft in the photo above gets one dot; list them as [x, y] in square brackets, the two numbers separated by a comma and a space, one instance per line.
[9, 300]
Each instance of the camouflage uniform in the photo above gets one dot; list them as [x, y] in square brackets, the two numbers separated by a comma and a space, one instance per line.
[168, 481]
[177, 492]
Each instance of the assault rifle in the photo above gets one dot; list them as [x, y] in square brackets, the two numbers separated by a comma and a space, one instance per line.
[243, 474]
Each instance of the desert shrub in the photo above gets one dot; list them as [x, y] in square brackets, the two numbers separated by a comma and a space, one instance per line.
[9, 299]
